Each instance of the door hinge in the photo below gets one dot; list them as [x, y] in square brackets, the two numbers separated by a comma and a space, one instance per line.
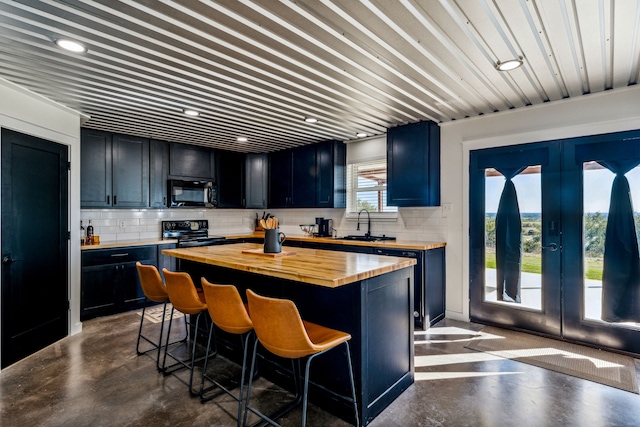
[68, 235]
[68, 166]
[68, 305]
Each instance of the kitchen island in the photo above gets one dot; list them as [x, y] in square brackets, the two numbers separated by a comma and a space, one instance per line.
[368, 296]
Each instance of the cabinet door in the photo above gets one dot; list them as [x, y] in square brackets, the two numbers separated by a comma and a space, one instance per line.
[256, 181]
[413, 165]
[95, 171]
[280, 179]
[132, 294]
[158, 173]
[98, 295]
[331, 183]
[434, 285]
[165, 261]
[190, 161]
[304, 173]
[230, 179]
[130, 172]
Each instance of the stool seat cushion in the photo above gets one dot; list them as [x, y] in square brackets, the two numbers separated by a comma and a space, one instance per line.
[324, 338]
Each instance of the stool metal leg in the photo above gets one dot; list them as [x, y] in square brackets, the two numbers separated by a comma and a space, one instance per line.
[353, 386]
[156, 345]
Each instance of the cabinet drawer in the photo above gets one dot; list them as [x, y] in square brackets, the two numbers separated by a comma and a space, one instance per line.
[115, 256]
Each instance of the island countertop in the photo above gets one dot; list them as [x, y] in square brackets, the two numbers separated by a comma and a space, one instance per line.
[383, 244]
[319, 267]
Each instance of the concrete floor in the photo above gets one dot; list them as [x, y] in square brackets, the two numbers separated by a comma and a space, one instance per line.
[96, 379]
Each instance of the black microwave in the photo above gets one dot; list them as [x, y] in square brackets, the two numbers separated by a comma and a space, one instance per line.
[192, 194]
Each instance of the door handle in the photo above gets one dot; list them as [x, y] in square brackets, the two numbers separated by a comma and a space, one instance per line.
[553, 247]
[7, 260]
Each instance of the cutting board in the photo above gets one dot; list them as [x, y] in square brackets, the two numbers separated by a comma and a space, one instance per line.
[260, 251]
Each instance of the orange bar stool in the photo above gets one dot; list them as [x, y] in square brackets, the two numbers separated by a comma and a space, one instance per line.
[155, 291]
[228, 313]
[281, 330]
[185, 298]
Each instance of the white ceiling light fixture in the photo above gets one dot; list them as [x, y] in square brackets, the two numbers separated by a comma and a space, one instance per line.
[361, 134]
[509, 65]
[71, 45]
[242, 139]
[311, 120]
[191, 113]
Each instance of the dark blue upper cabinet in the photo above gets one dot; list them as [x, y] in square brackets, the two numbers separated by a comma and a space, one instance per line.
[114, 170]
[292, 178]
[257, 178]
[311, 176]
[413, 165]
[191, 162]
[230, 180]
[280, 177]
[331, 180]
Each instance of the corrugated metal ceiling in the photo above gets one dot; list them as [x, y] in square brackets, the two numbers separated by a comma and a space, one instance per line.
[256, 68]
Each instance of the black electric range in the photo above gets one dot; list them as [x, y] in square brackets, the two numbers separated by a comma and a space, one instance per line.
[190, 233]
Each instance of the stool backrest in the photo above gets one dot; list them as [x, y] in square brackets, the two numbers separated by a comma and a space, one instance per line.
[151, 283]
[278, 326]
[182, 292]
[226, 308]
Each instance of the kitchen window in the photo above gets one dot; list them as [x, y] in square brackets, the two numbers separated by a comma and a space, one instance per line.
[367, 179]
[367, 187]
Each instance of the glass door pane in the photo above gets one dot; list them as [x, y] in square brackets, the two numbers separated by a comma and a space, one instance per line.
[529, 198]
[598, 182]
[515, 238]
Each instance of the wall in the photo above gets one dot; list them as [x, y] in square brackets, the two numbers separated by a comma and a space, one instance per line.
[588, 115]
[413, 224]
[26, 112]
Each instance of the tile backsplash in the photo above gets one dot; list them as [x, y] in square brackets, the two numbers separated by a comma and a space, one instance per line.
[113, 225]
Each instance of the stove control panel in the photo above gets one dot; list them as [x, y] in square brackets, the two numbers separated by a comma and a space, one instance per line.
[193, 225]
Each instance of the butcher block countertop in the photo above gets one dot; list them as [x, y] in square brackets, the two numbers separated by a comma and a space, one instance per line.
[389, 244]
[319, 267]
[127, 243]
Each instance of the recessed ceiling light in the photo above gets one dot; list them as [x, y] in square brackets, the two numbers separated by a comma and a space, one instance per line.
[242, 139]
[311, 120]
[509, 65]
[71, 46]
[192, 113]
[361, 134]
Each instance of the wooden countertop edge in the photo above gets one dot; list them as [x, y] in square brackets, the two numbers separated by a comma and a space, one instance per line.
[273, 270]
[128, 243]
[390, 244]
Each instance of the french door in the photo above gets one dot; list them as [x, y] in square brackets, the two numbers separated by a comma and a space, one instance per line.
[553, 238]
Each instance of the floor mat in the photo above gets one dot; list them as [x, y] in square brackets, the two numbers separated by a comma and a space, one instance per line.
[154, 314]
[600, 366]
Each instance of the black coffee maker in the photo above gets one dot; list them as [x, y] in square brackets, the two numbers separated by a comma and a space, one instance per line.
[325, 227]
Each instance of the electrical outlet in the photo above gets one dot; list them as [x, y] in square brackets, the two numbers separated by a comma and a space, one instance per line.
[121, 223]
[447, 209]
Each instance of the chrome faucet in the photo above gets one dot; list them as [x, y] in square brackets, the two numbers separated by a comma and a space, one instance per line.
[368, 233]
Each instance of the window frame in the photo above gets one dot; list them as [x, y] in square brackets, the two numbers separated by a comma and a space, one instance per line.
[353, 190]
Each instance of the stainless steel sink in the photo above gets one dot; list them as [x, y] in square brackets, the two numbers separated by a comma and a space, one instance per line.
[360, 238]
